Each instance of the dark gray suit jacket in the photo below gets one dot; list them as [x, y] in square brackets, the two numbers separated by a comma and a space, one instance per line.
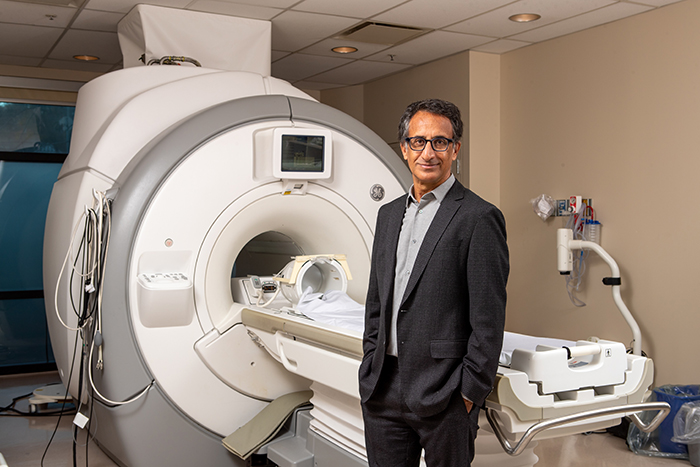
[452, 316]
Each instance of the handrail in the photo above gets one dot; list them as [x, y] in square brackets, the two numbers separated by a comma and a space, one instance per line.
[663, 408]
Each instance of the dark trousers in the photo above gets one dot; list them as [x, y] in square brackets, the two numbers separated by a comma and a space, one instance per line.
[394, 435]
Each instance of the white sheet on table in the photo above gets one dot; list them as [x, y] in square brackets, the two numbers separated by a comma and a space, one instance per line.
[338, 309]
[334, 307]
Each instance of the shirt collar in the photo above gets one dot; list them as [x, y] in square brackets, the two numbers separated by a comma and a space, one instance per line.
[439, 192]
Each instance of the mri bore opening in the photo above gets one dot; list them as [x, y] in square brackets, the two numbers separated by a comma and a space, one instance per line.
[265, 255]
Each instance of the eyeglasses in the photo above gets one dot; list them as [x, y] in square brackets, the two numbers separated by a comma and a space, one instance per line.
[439, 144]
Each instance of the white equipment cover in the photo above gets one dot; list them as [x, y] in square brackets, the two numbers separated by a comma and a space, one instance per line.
[241, 44]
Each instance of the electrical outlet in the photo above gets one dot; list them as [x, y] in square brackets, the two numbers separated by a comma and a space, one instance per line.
[562, 208]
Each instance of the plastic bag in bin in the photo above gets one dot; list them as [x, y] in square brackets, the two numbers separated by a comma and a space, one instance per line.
[686, 424]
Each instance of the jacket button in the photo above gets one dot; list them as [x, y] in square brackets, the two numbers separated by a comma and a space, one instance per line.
[403, 311]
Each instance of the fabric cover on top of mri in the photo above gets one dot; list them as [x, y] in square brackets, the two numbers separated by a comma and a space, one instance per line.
[150, 32]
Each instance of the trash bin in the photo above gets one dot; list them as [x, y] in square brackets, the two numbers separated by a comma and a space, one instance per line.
[676, 396]
[686, 430]
[694, 454]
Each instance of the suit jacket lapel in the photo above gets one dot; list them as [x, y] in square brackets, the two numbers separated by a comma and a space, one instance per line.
[443, 217]
[393, 222]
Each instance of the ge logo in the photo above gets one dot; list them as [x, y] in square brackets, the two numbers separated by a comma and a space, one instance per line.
[377, 192]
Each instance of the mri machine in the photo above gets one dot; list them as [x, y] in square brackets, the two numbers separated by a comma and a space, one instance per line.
[207, 204]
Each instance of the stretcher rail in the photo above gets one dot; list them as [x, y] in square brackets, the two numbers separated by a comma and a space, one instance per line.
[662, 407]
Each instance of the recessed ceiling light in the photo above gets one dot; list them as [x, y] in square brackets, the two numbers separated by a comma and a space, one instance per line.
[86, 58]
[524, 17]
[344, 49]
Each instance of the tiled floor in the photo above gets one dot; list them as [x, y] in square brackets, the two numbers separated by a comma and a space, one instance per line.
[595, 450]
[24, 439]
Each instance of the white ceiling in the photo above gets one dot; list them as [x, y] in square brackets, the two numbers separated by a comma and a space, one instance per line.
[48, 33]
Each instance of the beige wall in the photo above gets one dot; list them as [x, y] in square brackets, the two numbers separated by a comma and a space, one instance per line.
[350, 100]
[611, 113]
[42, 73]
[485, 126]
[37, 95]
[48, 73]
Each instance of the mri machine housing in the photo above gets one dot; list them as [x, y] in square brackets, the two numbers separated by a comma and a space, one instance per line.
[186, 205]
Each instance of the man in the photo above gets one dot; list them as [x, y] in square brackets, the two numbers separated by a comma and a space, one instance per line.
[435, 307]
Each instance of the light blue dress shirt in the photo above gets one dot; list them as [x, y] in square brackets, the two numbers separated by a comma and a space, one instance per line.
[416, 221]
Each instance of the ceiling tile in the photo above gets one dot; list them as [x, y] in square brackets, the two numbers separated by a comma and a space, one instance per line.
[294, 30]
[268, 3]
[38, 15]
[358, 72]
[581, 22]
[436, 14]
[295, 67]
[354, 8]
[77, 65]
[324, 47]
[309, 29]
[124, 6]
[496, 23]
[500, 46]
[235, 9]
[316, 86]
[76, 42]
[657, 3]
[430, 47]
[27, 41]
[278, 54]
[97, 20]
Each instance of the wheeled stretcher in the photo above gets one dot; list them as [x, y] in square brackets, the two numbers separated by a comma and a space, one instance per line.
[541, 390]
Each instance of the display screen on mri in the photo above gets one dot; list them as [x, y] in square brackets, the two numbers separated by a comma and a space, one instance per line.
[302, 153]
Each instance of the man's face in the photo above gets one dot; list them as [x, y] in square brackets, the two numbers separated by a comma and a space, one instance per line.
[429, 168]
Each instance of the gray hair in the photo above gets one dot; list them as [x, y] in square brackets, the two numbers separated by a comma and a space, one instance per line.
[433, 106]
